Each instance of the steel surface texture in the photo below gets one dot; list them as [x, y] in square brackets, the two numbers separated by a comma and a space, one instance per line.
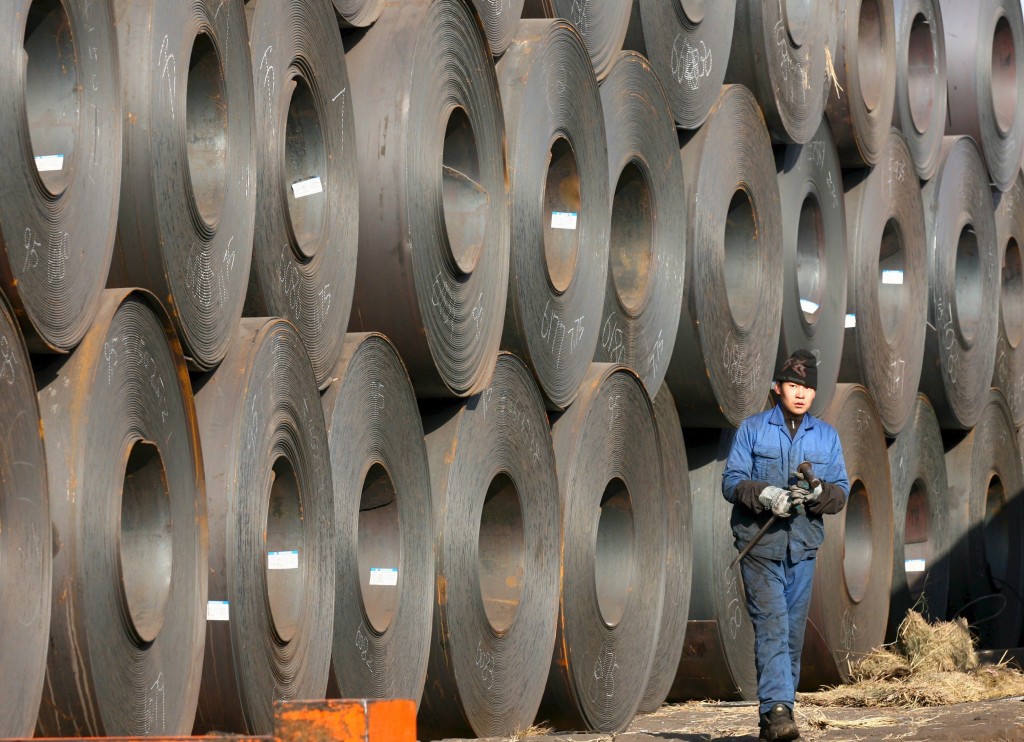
[602, 23]
[499, 19]
[358, 13]
[1008, 375]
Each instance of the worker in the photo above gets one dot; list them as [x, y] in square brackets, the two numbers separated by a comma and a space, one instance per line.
[762, 480]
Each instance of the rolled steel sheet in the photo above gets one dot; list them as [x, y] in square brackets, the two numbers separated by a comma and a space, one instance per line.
[499, 19]
[985, 480]
[688, 43]
[923, 519]
[679, 553]
[602, 23]
[779, 54]
[271, 510]
[814, 257]
[307, 189]
[728, 332]
[61, 163]
[385, 572]
[496, 507]
[850, 597]
[613, 553]
[1008, 376]
[188, 185]
[26, 568]
[887, 283]
[433, 193]
[358, 13]
[648, 208]
[985, 72]
[865, 68]
[718, 655]
[963, 286]
[130, 544]
[920, 110]
[558, 173]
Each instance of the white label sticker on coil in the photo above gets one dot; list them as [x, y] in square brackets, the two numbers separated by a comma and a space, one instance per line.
[307, 187]
[383, 576]
[914, 565]
[851, 321]
[282, 560]
[49, 163]
[563, 219]
[808, 306]
[893, 278]
[217, 610]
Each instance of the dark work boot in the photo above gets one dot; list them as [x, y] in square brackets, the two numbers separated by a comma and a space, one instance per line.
[778, 724]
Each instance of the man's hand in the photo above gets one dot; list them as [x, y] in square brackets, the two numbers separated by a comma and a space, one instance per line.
[778, 500]
[803, 484]
[831, 500]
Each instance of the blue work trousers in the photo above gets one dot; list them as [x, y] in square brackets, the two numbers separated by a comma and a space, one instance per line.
[778, 596]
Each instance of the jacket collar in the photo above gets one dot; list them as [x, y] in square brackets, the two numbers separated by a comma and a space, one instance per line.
[779, 419]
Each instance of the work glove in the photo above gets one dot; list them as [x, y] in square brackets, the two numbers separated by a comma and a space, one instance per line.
[747, 492]
[831, 500]
[778, 500]
[804, 485]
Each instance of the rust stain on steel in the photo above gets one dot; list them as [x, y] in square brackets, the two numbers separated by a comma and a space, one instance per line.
[344, 720]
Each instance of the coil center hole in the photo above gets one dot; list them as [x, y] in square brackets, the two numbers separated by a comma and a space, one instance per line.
[146, 539]
[871, 54]
[379, 548]
[501, 552]
[891, 294]
[632, 237]
[741, 261]
[1013, 293]
[917, 546]
[1004, 76]
[52, 92]
[695, 9]
[464, 198]
[921, 78]
[968, 295]
[810, 258]
[561, 214]
[997, 533]
[285, 547]
[305, 169]
[614, 552]
[857, 542]
[206, 129]
[798, 16]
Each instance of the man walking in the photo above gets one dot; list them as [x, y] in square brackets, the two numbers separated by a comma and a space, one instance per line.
[763, 480]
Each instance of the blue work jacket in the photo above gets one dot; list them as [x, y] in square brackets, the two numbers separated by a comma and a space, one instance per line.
[762, 450]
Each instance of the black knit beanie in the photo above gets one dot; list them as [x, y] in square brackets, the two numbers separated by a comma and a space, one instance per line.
[800, 368]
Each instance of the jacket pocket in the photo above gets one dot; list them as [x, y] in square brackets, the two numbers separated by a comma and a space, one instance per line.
[767, 464]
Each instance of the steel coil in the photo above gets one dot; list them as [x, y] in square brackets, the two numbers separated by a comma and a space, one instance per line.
[188, 190]
[688, 43]
[920, 110]
[678, 556]
[601, 23]
[61, 163]
[558, 172]
[718, 655]
[433, 193]
[985, 73]
[987, 580]
[850, 597]
[307, 191]
[887, 283]
[358, 13]
[613, 553]
[813, 257]
[270, 504]
[781, 58]
[385, 573]
[648, 208]
[499, 19]
[128, 506]
[25, 550]
[865, 67]
[963, 286]
[728, 333]
[923, 519]
[1009, 366]
[495, 499]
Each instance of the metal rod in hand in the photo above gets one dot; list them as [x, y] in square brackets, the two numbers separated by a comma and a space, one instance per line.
[753, 541]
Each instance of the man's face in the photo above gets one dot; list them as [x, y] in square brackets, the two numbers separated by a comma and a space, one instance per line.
[795, 398]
